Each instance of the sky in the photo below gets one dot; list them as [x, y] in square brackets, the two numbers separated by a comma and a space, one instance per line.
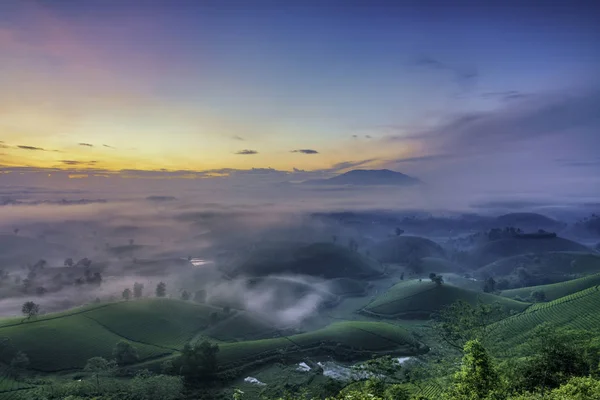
[446, 91]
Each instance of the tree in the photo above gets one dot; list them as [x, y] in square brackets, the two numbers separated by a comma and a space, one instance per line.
[200, 296]
[99, 366]
[137, 290]
[437, 279]
[226, 310]
[16, 231]
[399, 231]
[40, 290]
[161, 289]
[538, 296]
[555, 357]
[131, 242]
[477, 377]
[402, 276]
[124, 353]
[30, 309]
[213, 318]
[490, 285]
[334, 238]
[185, 295]
[126, 294]
[460, 322]
[69, 262]
[198, 363]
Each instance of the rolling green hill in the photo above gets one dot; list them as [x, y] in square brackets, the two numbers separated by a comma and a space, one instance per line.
[356, 337]
[498, 249]
[414, 299]
[551, 267]
[556, 290]
[156, 327]
[578, 311]
[401, 249]
[325, 260]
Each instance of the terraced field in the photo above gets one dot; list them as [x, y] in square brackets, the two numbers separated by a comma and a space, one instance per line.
[358, 336]
[415, 299]
[556, 290]
[160, 322]
[156, 327]
[67, 343]
[579, 311]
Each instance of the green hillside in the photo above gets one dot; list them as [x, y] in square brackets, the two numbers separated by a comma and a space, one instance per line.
[498, 249]
[325, 260]
[65, 341]
[556, 290]
[414, 299]
[544, 268]
[357, 337]
[577, 311]
[401, 249]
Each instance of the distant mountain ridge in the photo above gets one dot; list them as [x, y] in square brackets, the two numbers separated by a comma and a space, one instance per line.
[368, 177]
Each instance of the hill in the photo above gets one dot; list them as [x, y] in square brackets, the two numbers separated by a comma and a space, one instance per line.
[556, 290]
[419, 299]
[498, 249]
[535, 269]
[156, 327]
[325, 260]
[576, 311]
[356, 339]
[528, 221]
[368, 177]
[403, 249]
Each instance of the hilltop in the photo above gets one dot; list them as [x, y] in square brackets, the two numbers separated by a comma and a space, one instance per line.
[508, 247]
[403, 249]
[419, 299]
[368, 177]
[325, 260]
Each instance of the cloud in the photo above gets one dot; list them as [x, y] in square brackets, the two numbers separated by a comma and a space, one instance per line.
[305, 151]
[236, 137]
[508, 95]
[566, 162]
[368, 137]
[571, 117]
[74, 162]
[86, 144]
[464, 76]
[110, 147]
[31, 148]
[247, 152]
[426, 158]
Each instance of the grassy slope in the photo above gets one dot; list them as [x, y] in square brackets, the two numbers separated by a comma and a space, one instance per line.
[553, 262]
[67, 340]
[556, 290]
[498, 249]
[359, 335]
[414, 299]
[579, 310]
